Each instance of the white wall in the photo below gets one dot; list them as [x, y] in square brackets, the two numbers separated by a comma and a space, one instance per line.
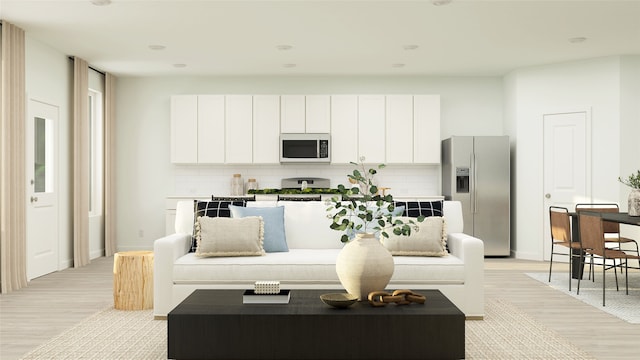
[48, 79]
[593, 84]
[629, 131]
[469, 106]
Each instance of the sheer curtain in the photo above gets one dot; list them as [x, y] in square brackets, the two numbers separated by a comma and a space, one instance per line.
[80, 162]
[13, 253]
[110, 166]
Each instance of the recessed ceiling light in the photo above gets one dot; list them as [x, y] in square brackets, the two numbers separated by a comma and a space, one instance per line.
[397, 65]
[157, 47]
[579, 39]
[440, 2]
[410, 47]
[101, 2]
[289, 65]
[284, 47]
[179, 65]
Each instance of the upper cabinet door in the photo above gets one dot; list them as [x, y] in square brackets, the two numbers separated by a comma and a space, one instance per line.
[371, 128]
[399, 125]
[292, 114]
[344, 125]
[318, 114]
[426, 129]
[266, 129]
[238, 129]
[184, 129]
[211, 129]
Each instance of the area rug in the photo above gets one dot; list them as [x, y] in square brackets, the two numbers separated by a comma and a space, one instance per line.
[617, 303]
[505, 333]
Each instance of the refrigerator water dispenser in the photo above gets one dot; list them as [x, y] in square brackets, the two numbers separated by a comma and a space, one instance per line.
[462, 179]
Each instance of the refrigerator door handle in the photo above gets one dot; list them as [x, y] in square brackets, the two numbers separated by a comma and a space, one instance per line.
[475, 183]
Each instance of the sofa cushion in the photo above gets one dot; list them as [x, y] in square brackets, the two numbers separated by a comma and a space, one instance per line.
[313, 267]
[429, 240]
[210, 209]
[220, 236]
[274, 235]
[307, 226]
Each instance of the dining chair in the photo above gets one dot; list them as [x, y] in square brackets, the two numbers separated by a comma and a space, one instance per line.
[560, 225]
[611, 229]
[592, 236]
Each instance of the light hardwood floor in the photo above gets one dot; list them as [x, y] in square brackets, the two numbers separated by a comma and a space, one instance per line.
[55, 302]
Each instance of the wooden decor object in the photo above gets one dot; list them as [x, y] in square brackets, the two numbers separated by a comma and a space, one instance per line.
[133, 280]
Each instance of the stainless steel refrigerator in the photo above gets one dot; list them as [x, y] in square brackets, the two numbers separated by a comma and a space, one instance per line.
[476, 172]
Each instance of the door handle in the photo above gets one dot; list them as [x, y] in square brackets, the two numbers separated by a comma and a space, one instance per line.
[548, 196]
[34, 199]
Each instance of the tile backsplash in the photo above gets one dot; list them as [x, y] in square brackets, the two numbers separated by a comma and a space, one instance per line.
[203, 180]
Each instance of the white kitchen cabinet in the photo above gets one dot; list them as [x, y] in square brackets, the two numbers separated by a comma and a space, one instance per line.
[371, 128]
[266, 130]
[184, 129]
[305, 114]
[292, 114]
[318, 114]
[344, 129]
[238, 129]
[211, 139]
[426, 129]
[399, 129]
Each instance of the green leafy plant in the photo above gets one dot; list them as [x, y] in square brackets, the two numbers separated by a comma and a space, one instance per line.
[361, 209]
[633, 181]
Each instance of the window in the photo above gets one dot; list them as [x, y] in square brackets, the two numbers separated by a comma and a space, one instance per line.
[96, 152]
[43, 155]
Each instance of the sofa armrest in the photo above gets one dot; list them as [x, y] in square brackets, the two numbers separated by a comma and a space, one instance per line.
[166, 250]
[470, 250]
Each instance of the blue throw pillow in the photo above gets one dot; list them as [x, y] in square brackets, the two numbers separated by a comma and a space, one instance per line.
[274, 236]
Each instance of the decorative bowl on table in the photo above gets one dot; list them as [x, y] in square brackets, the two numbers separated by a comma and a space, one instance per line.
[339, 300]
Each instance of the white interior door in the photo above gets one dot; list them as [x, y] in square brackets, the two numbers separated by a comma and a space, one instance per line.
[566, 164]
[42, 189]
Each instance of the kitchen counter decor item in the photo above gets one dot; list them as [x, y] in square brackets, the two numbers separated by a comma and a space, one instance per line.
[252, 184]
[237, 185]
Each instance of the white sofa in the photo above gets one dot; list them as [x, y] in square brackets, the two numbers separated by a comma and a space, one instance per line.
[310, 261]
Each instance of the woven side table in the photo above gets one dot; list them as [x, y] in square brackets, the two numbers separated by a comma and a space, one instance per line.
[133, 280]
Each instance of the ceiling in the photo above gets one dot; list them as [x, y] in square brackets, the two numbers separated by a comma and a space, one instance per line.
[209, 37]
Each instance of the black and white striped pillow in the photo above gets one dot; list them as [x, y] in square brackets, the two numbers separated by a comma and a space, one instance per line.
[418, 208]
[211, 209]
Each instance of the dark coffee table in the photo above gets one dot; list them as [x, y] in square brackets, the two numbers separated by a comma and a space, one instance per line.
[214, 324]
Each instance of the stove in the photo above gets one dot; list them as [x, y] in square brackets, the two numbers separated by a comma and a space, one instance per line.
[311, 182]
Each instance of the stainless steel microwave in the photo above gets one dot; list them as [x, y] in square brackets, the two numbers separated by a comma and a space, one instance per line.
[305, 148]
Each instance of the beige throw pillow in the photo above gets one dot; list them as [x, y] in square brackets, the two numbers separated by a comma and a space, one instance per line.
[219, 236]
[429, 240]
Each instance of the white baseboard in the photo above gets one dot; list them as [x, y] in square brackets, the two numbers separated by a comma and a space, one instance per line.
[523, 255]
[134, 248]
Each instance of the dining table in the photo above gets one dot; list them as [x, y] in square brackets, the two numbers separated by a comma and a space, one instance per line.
[618, 217]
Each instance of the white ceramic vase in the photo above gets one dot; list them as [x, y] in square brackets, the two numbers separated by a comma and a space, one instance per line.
[364, 265]
[634, 202]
